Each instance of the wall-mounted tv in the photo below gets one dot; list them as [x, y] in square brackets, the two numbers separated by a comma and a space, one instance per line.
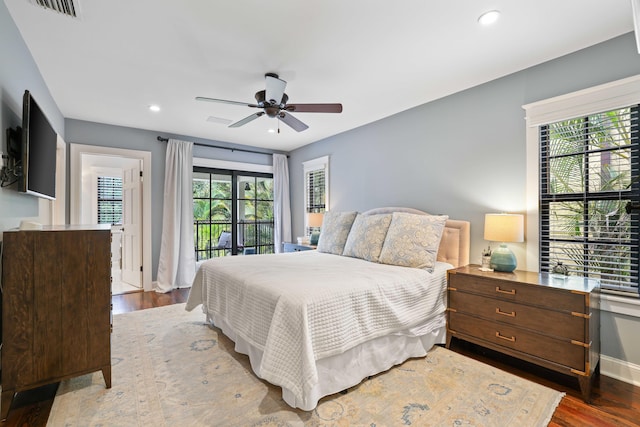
[39, 144]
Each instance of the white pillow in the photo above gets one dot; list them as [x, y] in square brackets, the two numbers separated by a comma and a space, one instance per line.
[367, 237]
[413, 240]
[334, 231]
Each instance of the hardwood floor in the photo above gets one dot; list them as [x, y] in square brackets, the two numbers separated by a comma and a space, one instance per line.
[614, 403]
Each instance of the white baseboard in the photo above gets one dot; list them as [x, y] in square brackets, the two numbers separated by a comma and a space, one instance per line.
[620, 370]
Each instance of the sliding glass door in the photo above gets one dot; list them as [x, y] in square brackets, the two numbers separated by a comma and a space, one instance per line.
[233, 213]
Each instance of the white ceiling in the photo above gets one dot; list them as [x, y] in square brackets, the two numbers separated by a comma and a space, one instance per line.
[375, 57]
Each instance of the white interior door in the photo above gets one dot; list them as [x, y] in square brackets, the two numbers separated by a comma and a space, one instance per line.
[131, 226]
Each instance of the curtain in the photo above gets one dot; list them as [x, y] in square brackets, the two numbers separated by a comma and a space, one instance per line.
[177, 264]
[281, 202]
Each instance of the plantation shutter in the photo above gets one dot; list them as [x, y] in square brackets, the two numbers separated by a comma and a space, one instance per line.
[109, 200]
[316, 193]
[590, 197]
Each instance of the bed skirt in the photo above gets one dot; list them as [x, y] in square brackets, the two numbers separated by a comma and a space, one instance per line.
[339, 372]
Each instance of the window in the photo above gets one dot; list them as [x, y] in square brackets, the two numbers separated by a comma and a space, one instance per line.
[109, 200]
[233, 212]
[579, 107]
[316, 189]
[590, 197]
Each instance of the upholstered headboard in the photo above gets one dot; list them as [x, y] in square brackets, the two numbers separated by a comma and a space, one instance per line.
[455, 243]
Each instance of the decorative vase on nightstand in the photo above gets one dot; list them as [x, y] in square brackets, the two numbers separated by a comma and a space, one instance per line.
[560, 271]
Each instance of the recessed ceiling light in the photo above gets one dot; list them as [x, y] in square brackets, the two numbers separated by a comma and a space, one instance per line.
[154, 108]
[271, 130]
[489, 18]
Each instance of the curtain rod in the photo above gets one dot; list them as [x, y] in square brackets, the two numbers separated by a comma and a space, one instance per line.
[161, 139]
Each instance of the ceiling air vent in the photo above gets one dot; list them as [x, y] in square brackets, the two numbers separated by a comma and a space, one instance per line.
[220, 120]
[65, 7]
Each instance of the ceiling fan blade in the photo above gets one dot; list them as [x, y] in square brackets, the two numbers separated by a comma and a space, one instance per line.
[246, 120]
[224, 101]
[314, 108]
[296, 124]
[274, 88]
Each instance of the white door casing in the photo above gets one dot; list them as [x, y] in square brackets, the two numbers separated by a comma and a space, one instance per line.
[144, 157]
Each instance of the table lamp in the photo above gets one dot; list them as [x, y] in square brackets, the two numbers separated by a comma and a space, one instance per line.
[504, 228]
[314, 220]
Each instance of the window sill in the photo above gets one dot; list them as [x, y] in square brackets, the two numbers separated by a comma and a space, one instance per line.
[629, 306]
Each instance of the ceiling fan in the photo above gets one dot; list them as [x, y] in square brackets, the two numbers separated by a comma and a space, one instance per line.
[273, 102]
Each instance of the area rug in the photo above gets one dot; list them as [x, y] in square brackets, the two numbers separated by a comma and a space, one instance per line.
[171, 369]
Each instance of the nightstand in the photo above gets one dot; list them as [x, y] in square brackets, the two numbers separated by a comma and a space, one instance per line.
[552, 322]
[294, 247]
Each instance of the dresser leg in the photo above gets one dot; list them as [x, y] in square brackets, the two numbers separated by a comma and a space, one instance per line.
[448, 343]
[106, 373]
[585, 387]
[5, 403]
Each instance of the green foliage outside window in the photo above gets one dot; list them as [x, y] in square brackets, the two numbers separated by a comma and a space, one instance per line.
[587, 174]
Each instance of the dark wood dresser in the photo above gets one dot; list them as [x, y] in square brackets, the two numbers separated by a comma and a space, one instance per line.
[549, 321]
[56, 307]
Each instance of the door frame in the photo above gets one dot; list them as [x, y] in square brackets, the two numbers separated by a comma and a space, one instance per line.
[75, 180]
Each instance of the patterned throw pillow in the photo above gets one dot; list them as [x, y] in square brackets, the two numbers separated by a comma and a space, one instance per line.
[413, 240]
[367, 237]
[334, 231]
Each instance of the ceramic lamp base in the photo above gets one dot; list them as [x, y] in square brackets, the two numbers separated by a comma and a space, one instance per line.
[313, 240]
[503, 259]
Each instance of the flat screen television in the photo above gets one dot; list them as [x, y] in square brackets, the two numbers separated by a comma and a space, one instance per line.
[39, 144]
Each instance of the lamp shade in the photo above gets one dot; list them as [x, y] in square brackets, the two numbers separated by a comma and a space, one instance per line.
[503, 227]
[314, 219]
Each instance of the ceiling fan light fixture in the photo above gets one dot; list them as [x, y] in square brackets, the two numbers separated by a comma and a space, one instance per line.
[274, 104]
[489, 17]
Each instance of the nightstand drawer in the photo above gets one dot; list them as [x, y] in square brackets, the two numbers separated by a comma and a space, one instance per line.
[520, 292]
[544, 321]
[563, 352]
[294, 247]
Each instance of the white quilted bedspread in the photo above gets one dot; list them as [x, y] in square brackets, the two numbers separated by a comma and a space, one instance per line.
[303, 306]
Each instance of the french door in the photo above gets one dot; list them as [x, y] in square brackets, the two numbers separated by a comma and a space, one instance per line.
[233, 212]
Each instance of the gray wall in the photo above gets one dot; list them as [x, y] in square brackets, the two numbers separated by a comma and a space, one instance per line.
[464, 155]
[19, 72]
[89, 133]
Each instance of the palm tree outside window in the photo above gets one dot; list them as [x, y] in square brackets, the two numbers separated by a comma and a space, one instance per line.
[590, 195]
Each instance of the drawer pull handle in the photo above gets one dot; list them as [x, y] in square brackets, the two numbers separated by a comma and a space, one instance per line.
[512, 339]
[504, 313]
[511, 292]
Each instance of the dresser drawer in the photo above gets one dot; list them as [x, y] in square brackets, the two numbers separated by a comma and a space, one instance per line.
[562, 352]
[520, 292]
[544, 321]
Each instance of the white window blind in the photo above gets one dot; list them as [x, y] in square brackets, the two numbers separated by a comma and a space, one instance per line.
[109, 200]
[590, 197]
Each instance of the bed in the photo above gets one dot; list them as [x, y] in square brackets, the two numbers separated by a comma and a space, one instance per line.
[318, 322]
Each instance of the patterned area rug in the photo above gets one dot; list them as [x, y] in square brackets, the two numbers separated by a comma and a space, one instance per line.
[170, 369]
